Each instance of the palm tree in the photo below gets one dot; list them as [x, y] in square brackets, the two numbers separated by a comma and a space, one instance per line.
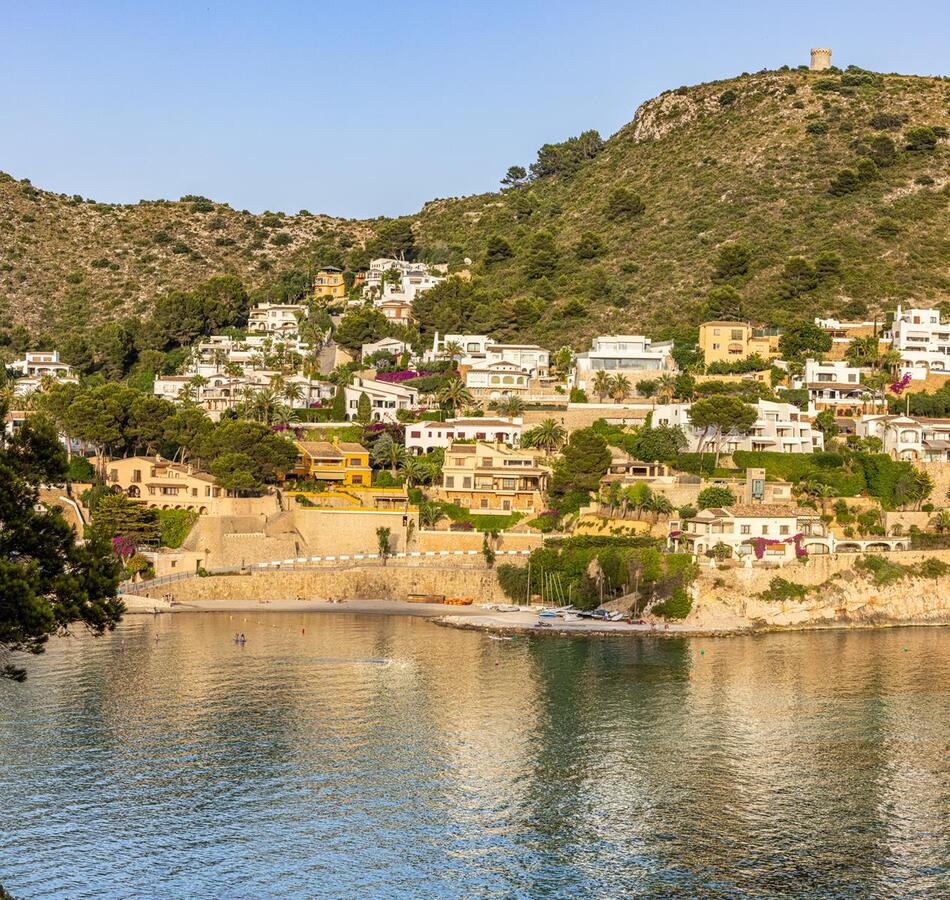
[940, 521]
[548, 436]
[818, 490]
[601, 384]
[429, 514]
[660, 505]
[620, 388]
[510, 405]
[393, 456]
[293, 392]
[414, 470]
[665, 387]
[453, 350]
[454, 393]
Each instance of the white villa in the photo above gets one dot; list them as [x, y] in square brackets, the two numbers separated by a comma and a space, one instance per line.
[474, 346]
[388, 344]
[780, 426]
[495, 379]
[773, 527]
[385, 398]
[36, 368]
[622, 354]
[421, 437]
[530, 358]
[275, 318]
[909, 438]
[834, 385]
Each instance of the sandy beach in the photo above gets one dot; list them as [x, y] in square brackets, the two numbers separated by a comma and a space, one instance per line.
[471, 617]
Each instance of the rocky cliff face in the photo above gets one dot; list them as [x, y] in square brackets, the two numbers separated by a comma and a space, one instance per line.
[725, 602]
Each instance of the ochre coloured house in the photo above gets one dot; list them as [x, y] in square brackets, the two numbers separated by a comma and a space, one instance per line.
[329, 283]
[344, 462]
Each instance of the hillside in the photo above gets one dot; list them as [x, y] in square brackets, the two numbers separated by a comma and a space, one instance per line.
[713, 186]
[747, 161]
[61, 254]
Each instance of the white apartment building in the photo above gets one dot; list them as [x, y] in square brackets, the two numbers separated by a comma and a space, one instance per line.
[530, 358]
[422, 437]
[275, 318]
[834, 385]
[412, 283]
[909, 438]
[385, 398]
[622, 354]
[772, 526]
[780, 427]
[922, 340]
[377, 267]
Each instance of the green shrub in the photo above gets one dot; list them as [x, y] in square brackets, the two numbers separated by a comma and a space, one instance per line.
[715, 496]
[817, 128]
[882, 571]
[933, 568]
[780, 590]
[80, 469]
[728, 97]
[676, 606]
[175, 525]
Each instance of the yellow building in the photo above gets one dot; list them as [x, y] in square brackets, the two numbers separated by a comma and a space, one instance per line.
[483, 477]
[732, 341]
[344, 462]
[163, 484]
[329, 283]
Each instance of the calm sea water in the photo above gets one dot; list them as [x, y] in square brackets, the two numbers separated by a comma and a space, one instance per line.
[347, 756]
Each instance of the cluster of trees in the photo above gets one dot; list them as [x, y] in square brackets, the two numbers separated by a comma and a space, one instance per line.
[47, 581]
[589, 571]
[119, 421]
[564, 158]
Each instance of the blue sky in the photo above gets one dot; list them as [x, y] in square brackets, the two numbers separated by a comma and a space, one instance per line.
[363, 109]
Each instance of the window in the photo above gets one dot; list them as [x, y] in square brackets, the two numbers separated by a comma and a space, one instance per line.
[484, 503]
[765, 529]
[357, 479]
[450, 481]
[113, 474]
[508, 484]
[487, 462]
[506, 504]
[735, 334]
[784, 529]
[745, 529]
[136, 476]
[466, 482]
[415, 434]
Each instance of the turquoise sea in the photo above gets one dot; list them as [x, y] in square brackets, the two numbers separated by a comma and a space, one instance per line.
[348, 756]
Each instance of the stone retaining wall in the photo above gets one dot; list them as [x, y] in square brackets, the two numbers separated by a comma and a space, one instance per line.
[367, 581]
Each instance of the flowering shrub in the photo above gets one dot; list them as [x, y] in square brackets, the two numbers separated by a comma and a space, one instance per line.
[402, 375]
[123, 547]
[898, 386]
[461, 526]
[760, 543]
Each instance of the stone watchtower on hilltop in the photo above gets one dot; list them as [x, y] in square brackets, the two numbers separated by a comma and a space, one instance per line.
[820, 59]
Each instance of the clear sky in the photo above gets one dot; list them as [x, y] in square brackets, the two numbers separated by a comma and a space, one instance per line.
[364, 109]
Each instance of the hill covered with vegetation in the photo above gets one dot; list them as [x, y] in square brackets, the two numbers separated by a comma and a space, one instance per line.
[770, 196]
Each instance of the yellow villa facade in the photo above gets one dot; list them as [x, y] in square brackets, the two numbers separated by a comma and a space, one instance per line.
[344, 462]
[329, 283]
[733, 341]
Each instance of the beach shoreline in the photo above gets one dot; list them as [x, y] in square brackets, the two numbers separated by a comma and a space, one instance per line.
[488, 621]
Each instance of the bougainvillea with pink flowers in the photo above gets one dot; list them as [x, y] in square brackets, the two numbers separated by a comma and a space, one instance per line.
[900, 385]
